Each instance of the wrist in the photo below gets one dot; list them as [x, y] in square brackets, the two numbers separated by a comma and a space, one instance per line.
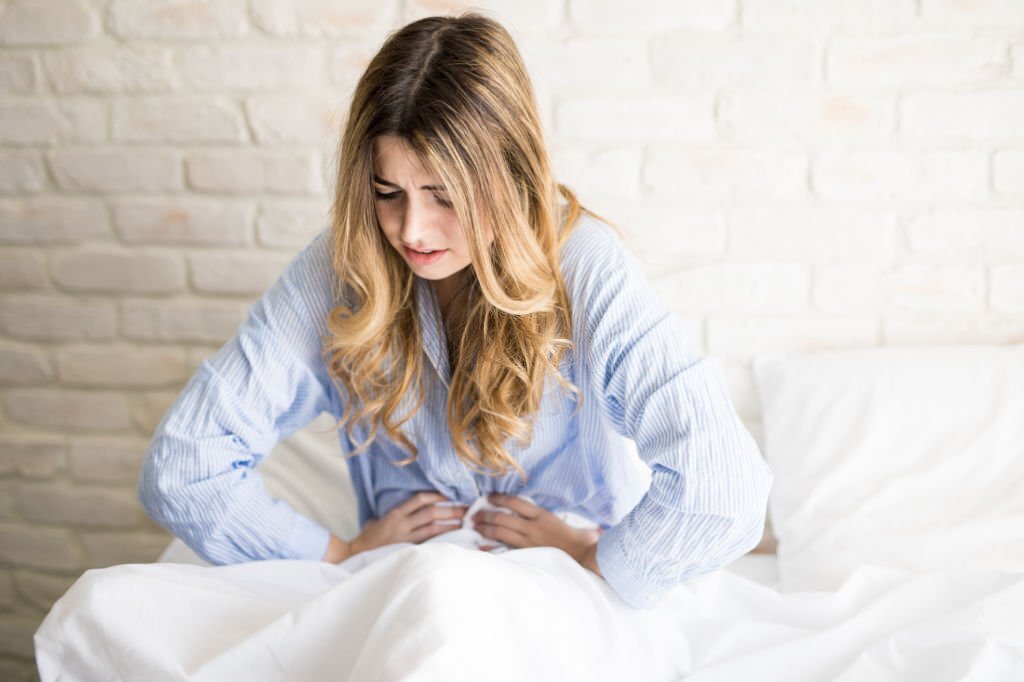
[338, 550]
[586, 554]
[590, 558]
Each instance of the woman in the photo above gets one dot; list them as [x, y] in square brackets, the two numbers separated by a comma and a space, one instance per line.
[486, 343]
[477, 332]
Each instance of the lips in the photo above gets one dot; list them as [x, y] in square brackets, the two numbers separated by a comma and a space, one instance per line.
[423, 258]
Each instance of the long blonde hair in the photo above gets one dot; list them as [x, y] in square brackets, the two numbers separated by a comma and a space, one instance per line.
[456, 89]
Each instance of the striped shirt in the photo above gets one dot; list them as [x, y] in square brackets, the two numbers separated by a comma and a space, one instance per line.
[656, 455]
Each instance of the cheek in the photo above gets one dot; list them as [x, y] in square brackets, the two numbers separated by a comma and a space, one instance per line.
[456, 235]
[386, 220]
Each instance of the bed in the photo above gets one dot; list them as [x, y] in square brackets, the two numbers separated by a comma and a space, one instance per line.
[898, 507]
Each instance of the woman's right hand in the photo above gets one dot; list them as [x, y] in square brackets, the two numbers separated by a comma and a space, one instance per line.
[415, 520]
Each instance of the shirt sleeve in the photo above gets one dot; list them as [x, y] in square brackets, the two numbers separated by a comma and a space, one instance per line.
[199, 477]
[709, 482]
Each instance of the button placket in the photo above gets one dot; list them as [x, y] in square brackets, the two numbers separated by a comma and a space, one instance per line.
[435, 343]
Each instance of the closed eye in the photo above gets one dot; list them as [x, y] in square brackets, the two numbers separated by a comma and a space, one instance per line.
[385, 196]
[391, 196]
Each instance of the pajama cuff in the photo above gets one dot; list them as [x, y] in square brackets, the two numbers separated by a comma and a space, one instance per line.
[626, 581]
[307, 540]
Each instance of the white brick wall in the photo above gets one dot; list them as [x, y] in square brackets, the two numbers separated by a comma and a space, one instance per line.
[793, 175]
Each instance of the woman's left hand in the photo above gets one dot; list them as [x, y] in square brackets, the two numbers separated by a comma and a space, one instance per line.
[533, 526]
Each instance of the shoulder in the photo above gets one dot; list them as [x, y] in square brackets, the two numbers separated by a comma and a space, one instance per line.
[609, 294]
[310, 276]
[314, 257]
[596, 259]
[591, 241]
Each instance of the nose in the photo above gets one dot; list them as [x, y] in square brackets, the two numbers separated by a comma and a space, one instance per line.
[415, 226]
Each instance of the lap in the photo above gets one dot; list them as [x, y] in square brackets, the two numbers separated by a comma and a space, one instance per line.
[400, 608]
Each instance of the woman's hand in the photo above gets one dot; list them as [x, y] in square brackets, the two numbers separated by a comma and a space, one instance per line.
[533, 526]
[417, 519]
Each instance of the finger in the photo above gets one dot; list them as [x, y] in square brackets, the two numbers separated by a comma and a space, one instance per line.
[517, 504]
[420, 499]
[510, 521]
[428, 531]
[433, 513]
[507, 535]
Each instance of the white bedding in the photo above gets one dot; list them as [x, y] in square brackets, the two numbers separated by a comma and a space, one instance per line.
[904, 457]
[439, 611]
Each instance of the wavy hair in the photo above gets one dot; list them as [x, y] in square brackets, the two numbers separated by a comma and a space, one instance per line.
[455, 89]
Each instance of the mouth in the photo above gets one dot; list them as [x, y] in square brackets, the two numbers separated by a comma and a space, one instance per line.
[423, 258]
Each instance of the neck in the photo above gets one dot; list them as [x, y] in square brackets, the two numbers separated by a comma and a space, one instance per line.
[449, 289]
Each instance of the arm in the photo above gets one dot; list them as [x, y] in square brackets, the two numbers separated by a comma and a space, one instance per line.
[709, 484]
[198, 479]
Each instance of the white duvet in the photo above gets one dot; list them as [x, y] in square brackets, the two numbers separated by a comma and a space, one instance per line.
[444, 611]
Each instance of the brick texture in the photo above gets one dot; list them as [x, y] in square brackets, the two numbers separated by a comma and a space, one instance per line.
[792, 176]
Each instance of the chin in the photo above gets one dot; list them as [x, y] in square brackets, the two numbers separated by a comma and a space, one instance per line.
[427, 273]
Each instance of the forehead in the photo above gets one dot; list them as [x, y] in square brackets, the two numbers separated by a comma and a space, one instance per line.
[392, 155]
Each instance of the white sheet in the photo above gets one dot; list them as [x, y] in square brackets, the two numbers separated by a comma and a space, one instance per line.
[440, 611]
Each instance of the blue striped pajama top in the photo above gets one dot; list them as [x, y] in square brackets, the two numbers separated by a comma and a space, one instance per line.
[656, 454]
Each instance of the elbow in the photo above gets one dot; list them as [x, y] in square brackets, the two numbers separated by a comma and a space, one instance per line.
[752, 514]
[151, 490]
[748, 514]
[190, 508]
[751, 509]
[168, 497]
[159, 491]
[168, 501]
[764, 479]
[751, 530]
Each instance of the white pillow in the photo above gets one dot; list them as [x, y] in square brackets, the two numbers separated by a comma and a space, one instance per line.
[904, 457]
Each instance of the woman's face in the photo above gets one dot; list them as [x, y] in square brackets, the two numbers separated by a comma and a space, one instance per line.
[415, 211]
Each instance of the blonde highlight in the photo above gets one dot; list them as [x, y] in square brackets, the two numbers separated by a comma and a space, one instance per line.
[456, 89]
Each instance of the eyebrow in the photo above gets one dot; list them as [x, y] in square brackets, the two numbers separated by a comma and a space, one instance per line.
[381, 181]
